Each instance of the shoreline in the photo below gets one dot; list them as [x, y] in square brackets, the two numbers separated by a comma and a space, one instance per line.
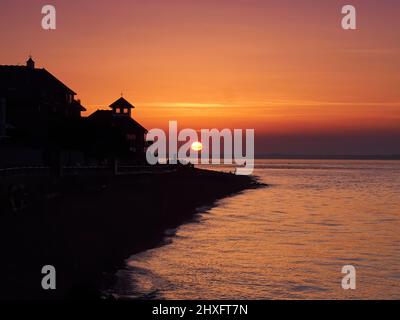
[167, 234]
[88, 226]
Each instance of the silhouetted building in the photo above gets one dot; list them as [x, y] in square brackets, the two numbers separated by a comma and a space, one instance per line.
[40, 115]
[33, 101]
[116, 132]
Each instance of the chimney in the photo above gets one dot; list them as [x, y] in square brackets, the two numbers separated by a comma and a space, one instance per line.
[30, 64]
[2, 117]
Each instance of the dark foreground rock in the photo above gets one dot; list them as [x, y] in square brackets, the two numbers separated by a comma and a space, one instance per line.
[87, 226]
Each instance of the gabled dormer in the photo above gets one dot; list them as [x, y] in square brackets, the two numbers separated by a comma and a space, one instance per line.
[121, 107]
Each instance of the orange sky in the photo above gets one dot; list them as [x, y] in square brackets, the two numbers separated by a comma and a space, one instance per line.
[281, 67]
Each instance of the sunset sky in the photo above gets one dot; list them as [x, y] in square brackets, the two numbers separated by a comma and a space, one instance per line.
[285, 68]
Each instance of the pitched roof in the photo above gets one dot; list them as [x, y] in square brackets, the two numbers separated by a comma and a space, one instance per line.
[127, 123]
[77, 104]
[121, 103]
[106, 117]
[22, 77]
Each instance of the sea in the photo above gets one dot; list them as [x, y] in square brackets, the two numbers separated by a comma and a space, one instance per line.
[289, 240]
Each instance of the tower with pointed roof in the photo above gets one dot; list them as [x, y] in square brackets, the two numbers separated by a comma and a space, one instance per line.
[131, 134]
[121, 107]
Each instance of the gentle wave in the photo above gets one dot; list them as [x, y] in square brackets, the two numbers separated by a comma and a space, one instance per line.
[288, 241]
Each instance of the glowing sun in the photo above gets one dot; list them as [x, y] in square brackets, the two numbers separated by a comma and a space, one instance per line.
[197, 146]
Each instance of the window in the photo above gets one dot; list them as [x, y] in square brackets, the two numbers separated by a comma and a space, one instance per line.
[70, 98]
[131, 138]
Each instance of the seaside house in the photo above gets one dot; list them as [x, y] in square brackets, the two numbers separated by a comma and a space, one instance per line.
[41, 123]
[39, 116]
[116, 132]
[32, 100]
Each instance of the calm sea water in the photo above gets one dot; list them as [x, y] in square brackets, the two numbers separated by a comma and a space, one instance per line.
[287, 241]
